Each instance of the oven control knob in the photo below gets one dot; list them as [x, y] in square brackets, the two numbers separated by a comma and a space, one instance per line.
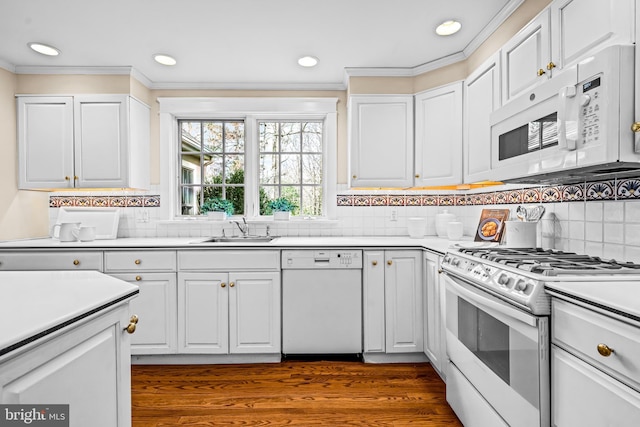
[455, 262]
[503, 279]
[520, 285]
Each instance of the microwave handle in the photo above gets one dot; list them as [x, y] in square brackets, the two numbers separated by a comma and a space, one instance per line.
[567, 125]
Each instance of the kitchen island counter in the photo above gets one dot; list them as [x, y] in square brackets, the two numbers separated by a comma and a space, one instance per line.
[37, 304]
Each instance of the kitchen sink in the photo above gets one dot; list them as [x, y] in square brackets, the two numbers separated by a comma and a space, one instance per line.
[248, 239]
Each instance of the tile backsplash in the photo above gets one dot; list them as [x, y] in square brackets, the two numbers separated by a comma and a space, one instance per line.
[599, 218]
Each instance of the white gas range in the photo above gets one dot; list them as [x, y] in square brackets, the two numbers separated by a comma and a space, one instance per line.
[498, 327]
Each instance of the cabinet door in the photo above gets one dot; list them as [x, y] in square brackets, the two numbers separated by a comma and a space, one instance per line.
[525, 58]
[373, 301]
[403, 301]
[438, 146]
[482, 97]
[101, 138]
[156, 307]
[254, 312]
[581, 27]
[45, 142]
[584, 396]
[203, 305]
[434, 341]
[87, 367]
[381, 141]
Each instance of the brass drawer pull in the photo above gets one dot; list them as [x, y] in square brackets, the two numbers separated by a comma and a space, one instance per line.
[76, 262]
[231, 284]
[389, 262]
[374, 263]
[137, 262]
[605, 350]
[223, 285]
[131, 327]
[138, 278]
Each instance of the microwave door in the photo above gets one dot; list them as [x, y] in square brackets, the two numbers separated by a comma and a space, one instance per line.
[566, 134]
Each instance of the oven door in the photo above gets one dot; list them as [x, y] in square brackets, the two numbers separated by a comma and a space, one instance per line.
[501, 350]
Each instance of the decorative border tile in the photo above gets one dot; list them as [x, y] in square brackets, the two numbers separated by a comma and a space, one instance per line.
[429, 200]
[628, 189]
[604, 190]
[152, 201]
[413, 201]
[345, 201]
[550, 195]
[446, 200]
[531, 195]
[361, 200]
[573, 193]
[379, 200]
[396, 200]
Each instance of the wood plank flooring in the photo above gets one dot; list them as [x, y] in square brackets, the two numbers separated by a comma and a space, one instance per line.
[292, 393]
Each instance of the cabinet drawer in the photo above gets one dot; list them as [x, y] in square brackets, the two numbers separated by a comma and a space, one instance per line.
[229, 260]
[85, 260]
[140, 261]
[580, 331]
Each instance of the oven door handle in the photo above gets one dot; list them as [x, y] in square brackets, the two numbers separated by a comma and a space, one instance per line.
[490, 303]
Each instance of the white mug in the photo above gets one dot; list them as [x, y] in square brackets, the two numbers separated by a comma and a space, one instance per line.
[68, 231]
[87, 234]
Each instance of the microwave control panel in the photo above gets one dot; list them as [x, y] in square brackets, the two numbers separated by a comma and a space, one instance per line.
[590, 110]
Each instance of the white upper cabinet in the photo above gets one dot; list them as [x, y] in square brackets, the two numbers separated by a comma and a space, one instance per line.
[438, 136]
[526, 58]
[381, 140]
[482, 97]
[581, 27]
[559, 37]
[86, 141]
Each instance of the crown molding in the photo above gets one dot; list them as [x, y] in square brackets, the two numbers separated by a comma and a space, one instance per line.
[492, 26]
[250, 86]
[141, 78]
[7, 66]
[29, 69]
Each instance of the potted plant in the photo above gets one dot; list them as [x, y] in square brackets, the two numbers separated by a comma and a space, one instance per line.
[281, 208]
[217, 208]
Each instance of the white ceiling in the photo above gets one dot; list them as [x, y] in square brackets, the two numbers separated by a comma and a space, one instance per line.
[243, 43]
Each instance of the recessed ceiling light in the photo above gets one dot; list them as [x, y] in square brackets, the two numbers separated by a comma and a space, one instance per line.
[44, 49]
[308, 61]
[163, 59]
[448, 27]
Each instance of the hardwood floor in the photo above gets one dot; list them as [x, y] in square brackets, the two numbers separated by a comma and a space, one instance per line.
[292, 393]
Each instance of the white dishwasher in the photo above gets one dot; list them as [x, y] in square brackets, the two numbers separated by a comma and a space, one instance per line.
[321, 302]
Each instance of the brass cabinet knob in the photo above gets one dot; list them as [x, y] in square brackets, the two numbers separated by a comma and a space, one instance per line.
[417, 175]
[374, 262]
[605, 350]
[138, 278]
[223, 285]
[76, 262]
[541, 72]
[389, 262]
[439, 271]
[635, 127]
[231, 284]
[551, 66]
[137, 262]
[354, 177]
[66, 178]
[131, 327]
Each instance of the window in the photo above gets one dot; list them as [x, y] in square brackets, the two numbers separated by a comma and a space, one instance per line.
[213, 153]
[249, 150]
[291, 165]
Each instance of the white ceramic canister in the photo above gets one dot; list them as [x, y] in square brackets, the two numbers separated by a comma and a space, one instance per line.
[454, 230]
[442, 219]
[520, 234]
[417, 227]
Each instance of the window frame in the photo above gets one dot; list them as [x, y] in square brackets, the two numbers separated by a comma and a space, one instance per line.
[251, 110]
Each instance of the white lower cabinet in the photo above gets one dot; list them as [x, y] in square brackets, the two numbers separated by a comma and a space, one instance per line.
[154, 272]
[229, 313]
[86, 367]
[233, 312]
[595, 369]
[434, 314]
[393, 321]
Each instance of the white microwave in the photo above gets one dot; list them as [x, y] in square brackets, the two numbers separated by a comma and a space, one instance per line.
[575, 125]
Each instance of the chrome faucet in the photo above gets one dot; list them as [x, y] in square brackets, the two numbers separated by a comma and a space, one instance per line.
[244, 228]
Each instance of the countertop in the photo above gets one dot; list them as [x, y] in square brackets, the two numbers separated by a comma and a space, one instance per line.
[432, 243]
[34, 304]
[620, 298]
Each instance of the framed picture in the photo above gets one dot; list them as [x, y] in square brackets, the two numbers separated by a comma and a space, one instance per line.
[491, 226]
